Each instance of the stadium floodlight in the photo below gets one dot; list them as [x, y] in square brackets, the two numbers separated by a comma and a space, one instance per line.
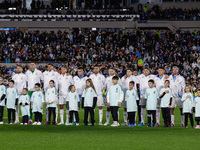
[12, 8]
[94, 29]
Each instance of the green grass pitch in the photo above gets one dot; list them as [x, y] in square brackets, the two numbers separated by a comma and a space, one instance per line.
[17, 137]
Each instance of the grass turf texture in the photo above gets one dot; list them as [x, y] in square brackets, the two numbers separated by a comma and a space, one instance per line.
[98, 137]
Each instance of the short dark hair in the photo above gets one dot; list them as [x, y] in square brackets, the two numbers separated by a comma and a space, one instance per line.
[115, 78]
[70, 87]
[132, 82]
[20, 66]
[37, 84]
[146, 68]
[96, 66]
[25, 89]
[167, 81]
[198, 89]
[52, 81]
[152, 81]
[130, 69]
[12, 81]
[161, 68]
[80, 68]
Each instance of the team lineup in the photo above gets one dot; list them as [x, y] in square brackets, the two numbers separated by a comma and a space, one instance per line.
[137, 94]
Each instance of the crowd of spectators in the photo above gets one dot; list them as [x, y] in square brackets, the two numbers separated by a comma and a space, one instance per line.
[107, 48]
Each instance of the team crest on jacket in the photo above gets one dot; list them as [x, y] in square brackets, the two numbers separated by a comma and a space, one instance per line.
[21, 78]
[75, 97]
[36, 73]
[99, 78]
[133, 94]
[1, 89]
[39, 95]
[116, 90]
[66, 78]
[154, 92]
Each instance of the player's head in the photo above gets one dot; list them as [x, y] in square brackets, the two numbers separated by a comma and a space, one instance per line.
[1, 80]
[151, 83]
[198, 92]
[96, 69]
[115, 79]
[50, 67]
[161, 71]
[51, 83]
[72, 88]
[19, 69]
[188, 88]
[129, 72]
[24, 91]
[166, 83]
[80, 71]
[37, 86]
[175, 70]
[11, 83]
[32, 65]
[63, 70]
[131, 85]
[146, 71]
[112, 71]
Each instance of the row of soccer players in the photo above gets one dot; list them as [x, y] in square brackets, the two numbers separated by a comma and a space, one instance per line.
[89, 98]
[63, 81]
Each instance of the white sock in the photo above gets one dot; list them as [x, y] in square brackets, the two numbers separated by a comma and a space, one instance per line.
[100, 115]
[172, 118]
[118, 115]
[135, 117]
[74, 118]
[17, 114]
[142, 114]
[47, 113]
[125, 116]
[182, 118]
[61, 115]
[56, 113]
[107, 116]
[158, 115]
[67, 116]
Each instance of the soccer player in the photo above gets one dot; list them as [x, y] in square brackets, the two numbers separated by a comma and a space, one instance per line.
[197, 109]
[165, 103]
[20, 80]
[177, 85]
[109, 82]
[159, 82]
[37, 102]
[114, 99]
[143, 80]
[64, 81]
[73, 104]
[48, 75]
[125, 86]
[89, 100]
[131, 99]
[2, 99]
[12, 101]
[34, 76]
[24, 101]
[51, 101]
[151, 97]
[99, 83]
[188, 101]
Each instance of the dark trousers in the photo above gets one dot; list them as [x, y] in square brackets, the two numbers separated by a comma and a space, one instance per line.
[197, 119]
[25, 119]
[1, 113]
[114, 110]
[166, 115]
[71, 113]
[139, 111]
[38, 116]
[153, 113]
[52, 110]
[191, 119]
[88, 110]
[11, 111]
[131, 117]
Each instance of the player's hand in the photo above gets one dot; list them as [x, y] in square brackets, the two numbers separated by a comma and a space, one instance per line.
[78, 108]
[188, 96]
[23, 104]
[15, 105]
[169, 106]
[48, 103]
[167, 91]
[0, 101]
[119, 103]
[31, 106]
[108, 104]
[41, 107]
